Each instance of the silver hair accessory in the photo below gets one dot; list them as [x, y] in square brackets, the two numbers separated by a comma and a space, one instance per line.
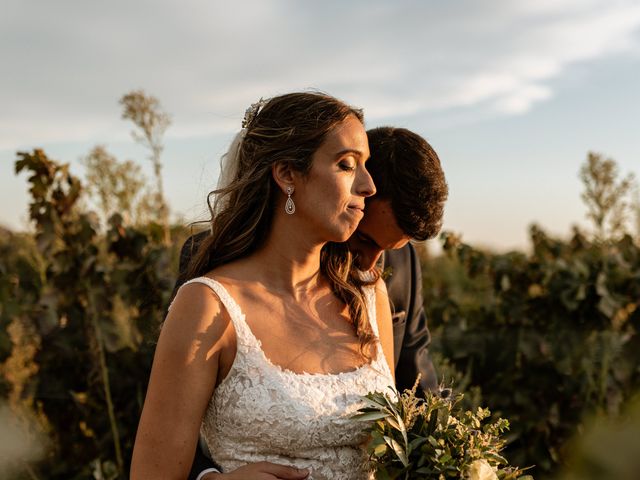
[290, 207]
[252, 112]
[230, 161]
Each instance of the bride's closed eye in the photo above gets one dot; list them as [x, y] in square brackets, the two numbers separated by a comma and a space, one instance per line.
[347, 165]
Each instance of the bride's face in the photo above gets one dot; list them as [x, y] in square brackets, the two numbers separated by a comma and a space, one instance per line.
[332, 194]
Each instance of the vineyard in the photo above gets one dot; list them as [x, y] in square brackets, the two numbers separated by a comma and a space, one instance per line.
[547, 339]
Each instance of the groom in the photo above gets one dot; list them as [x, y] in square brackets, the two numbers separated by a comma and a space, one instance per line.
[408, 205]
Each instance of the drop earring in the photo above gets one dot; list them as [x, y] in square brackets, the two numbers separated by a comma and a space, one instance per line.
[290, 207]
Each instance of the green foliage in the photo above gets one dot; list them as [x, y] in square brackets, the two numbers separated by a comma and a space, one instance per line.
[86, 305]
[147, 115]
[605, 195]
[547, 337]
[151, 122]
[432, 439]
[607, 448]
[118, 187]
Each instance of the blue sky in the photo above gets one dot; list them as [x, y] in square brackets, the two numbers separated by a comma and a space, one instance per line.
[511, 94]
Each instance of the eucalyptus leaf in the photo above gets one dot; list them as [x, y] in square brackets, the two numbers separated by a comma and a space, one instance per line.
[370, 416]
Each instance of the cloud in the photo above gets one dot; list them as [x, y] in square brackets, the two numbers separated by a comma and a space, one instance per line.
[207, 61]
[509, 64]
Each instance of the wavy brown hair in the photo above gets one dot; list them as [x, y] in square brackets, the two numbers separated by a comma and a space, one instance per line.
[289, 128]
[407, 171]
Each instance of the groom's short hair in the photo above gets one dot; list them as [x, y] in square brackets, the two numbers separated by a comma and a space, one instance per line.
[406, 170]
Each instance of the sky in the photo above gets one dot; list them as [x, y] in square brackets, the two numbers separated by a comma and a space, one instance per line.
[511, 94]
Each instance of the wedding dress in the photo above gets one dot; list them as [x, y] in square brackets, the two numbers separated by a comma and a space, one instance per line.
[262, 412]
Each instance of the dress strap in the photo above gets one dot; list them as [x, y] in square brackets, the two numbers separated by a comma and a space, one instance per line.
[243, 333]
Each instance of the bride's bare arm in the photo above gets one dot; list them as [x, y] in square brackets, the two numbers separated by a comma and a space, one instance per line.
[196, 344]
[186, 365]
[385, 325]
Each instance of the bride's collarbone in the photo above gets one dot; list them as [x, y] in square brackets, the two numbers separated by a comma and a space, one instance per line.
[313, 334]
[300, 327]
[318, 357]
[305, 337]
[319, 310]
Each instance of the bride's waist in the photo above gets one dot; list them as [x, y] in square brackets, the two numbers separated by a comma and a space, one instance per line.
[345, 462]
[307, 439]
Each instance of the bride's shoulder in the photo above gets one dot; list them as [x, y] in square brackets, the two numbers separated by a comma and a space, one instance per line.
[380, 286]
[196, 322]
[233, 272]
[209, 283]
[198, 307]
[197, 294]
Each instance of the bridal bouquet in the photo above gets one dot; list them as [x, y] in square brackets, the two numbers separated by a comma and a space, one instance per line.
[431, 439]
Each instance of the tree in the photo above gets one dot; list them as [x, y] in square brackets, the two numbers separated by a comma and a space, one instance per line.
[118, 187]
[147, 115]
[78, 317]
[635, 208]
[605, 195]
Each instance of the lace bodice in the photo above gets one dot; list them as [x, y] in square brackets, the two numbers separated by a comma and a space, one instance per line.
[261, 412]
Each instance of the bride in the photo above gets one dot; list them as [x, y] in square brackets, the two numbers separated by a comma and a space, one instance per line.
[268, 347]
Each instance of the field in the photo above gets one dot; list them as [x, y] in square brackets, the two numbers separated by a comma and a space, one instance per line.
[547, 339]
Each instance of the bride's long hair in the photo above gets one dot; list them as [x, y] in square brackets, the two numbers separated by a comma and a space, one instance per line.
[288, 128]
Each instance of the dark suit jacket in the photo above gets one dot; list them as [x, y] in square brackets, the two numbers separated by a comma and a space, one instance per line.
[410, 331]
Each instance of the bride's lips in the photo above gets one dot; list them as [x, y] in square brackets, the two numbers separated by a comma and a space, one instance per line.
[356, 209]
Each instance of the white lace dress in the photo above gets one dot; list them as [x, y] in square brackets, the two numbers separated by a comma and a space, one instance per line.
[261, 412]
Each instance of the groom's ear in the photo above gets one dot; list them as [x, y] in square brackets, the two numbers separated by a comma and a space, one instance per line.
[284, 175]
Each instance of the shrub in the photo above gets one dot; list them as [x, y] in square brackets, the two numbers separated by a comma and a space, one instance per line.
[546, 337]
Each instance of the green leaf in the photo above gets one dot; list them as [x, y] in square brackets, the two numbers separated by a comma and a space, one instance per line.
[368, 416]
[380, 450]
[376, 400]
[397, 448]
[416, 443]
[392, 421]
[433, 421]
[425, 470]
[382, 474]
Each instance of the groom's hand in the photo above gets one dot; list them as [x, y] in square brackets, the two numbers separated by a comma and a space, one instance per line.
[261, 471]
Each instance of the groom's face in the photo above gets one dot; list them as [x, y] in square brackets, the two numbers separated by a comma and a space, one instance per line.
[378, 231]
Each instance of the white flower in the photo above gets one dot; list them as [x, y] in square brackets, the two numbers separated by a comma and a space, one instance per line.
[481, 470]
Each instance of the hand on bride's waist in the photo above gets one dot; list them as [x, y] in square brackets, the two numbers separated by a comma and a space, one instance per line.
[261, 471]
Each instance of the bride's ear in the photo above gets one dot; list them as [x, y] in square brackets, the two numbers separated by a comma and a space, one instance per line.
[284, 175]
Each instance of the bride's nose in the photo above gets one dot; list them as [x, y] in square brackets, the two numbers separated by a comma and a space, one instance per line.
[364, 183]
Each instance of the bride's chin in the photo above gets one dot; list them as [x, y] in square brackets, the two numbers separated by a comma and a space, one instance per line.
[344, 235]
[341, 232]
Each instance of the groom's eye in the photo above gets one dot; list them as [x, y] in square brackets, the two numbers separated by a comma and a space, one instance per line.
[366, 239]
